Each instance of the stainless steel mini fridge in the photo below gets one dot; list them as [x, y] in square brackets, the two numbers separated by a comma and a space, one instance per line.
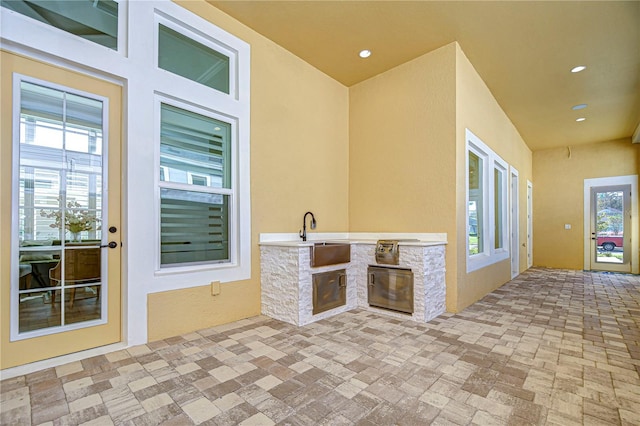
[391, 288]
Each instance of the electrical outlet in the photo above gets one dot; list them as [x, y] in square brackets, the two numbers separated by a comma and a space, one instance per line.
[215, 288]
[567, 226]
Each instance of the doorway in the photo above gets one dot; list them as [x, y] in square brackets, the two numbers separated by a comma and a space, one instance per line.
[515, 225]
[610, 236]
[529, 224]
[61, 285]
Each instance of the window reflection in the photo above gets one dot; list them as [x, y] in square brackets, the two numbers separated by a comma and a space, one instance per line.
[59, 208]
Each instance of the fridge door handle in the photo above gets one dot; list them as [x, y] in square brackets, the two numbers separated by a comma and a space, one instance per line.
[342, 281]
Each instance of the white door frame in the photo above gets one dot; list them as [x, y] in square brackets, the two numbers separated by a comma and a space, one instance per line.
[515, 223]
[611, 181]
[529, 224]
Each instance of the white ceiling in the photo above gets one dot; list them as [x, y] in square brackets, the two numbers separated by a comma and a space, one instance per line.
[523, 50]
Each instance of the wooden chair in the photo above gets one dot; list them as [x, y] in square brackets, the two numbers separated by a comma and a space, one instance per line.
[25, 276]
[81, 265]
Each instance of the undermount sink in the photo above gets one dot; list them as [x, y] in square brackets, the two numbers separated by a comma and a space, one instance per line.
[323, 254]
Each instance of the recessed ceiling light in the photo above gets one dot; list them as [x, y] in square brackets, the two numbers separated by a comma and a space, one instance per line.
[579, 106]
[365, 53]
[578, 68]
[580, 119]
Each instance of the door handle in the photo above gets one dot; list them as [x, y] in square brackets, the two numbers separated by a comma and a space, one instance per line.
[111, 245]
[341, 280]
[371, 283]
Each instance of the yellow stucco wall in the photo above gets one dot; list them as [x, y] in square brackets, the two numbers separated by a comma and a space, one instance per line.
[559, 176]
[299, 162]
[407, 168]
[402, 150]
[478, 111]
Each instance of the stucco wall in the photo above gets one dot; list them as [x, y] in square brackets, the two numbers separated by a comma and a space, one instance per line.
[478, 111]
[559, 176]
[299, 162]
[402, 152]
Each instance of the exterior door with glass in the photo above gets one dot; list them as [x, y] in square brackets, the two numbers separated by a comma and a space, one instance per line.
[610, 228]
[61, 284]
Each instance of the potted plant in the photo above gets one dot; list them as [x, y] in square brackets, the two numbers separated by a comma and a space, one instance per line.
[76, 219]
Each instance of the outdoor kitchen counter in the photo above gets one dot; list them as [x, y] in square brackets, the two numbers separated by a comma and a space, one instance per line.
[310, 243]
[408, 239]
[286, 274]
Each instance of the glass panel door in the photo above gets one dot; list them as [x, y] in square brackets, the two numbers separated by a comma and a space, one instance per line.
[610, 228]
[61, 290]
[60, 209]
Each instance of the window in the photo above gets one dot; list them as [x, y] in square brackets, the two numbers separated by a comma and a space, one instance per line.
[196, 193]
[486, 205]
[187, 58]
[60, 207]
[94, 20]
[202, 163]
[499, 205]
[476, 205]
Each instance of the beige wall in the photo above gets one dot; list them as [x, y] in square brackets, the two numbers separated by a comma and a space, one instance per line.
[478, 111]
[559, 176]
[299, 162]
[402, 149]
[407, 169]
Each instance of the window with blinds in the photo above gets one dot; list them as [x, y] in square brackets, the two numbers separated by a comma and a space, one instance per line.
[195, 187]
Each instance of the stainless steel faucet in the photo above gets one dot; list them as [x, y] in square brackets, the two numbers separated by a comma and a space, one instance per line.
[303, 233]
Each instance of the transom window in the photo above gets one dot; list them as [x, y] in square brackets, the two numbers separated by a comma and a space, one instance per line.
[94, 20]
[190, 59]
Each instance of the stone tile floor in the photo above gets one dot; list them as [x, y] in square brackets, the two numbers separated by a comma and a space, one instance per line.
[552, 347]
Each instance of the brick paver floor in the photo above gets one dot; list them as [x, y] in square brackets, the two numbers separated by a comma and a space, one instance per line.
[550, 347]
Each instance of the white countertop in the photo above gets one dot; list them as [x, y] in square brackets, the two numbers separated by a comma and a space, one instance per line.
[293, 240]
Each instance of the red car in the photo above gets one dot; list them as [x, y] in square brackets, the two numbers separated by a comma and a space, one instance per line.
[609, 242]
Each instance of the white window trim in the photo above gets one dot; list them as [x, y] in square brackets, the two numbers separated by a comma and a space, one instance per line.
[490, 161]
[631, 180]
[529, 224]
[233, 108]
[234, 225]
[204, 39]
[514, 221]
[500, 164]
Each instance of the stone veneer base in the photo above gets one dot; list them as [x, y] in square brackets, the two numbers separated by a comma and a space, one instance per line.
[287, 284]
